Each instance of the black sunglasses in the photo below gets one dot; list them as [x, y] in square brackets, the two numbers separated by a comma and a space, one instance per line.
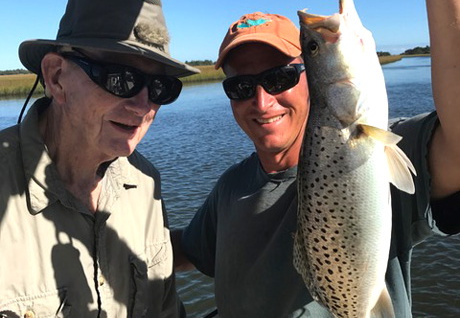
[125, 81]
[274, 81]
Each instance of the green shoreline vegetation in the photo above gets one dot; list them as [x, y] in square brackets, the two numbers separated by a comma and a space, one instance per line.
[20, 83]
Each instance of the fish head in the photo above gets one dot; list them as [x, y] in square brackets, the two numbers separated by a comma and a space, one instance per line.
[341, 60]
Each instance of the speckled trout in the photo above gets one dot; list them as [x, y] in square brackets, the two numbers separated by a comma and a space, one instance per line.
[347, 162]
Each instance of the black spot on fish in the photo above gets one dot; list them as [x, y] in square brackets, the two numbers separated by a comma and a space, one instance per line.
[335, 297]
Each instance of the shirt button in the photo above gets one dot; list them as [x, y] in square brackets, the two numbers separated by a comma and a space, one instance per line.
[101, 280]
[29, 314]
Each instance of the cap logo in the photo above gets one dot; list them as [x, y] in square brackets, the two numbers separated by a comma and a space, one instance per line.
[251, 23]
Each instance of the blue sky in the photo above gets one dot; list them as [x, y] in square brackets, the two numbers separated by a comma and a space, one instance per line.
[197, 27]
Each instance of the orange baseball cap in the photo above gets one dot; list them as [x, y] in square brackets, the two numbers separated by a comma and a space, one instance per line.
[272, 29]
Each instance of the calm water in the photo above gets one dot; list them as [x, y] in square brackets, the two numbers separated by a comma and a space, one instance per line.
[195, 139]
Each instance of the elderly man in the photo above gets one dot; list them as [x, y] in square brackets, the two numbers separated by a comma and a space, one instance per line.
[83, 230]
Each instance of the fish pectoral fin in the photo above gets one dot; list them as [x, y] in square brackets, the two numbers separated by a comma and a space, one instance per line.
[399, 165]
[384, 136]
[400, 168]
[384, 307]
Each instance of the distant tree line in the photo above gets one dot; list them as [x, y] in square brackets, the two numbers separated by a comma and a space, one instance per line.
[414, 51]
[417, 50]
[16, 71]
[200, 62]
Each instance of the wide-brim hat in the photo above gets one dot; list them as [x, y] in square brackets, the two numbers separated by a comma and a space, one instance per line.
[271, 29]
[134, 27]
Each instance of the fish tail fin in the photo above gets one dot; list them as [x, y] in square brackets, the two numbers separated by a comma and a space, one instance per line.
[399, 165]
[384, 307]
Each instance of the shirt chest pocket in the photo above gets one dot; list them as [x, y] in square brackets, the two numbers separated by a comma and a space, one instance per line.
[148, 274]
[46, 305]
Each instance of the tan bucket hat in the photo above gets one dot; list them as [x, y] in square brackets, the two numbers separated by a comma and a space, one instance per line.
[123, 26]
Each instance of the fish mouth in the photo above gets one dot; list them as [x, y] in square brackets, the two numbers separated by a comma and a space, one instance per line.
[270, 120]
[320, 22]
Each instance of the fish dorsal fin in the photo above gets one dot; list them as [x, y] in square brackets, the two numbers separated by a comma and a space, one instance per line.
[400, 167]
[384, 307]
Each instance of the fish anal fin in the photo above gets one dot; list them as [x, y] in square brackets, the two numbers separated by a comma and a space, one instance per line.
[384, 307]
[399, 165]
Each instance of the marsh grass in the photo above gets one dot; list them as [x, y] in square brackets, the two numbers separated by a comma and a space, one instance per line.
[389, 59]
[208, 74]
[18, 85]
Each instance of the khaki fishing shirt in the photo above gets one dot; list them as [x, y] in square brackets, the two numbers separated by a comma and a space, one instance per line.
[57, 259]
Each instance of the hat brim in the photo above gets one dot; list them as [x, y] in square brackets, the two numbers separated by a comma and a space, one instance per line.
[31, 53]
[285, 47]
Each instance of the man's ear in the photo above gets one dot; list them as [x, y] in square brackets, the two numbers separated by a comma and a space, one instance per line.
[51, 66]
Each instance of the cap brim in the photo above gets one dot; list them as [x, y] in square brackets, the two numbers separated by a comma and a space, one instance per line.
[31, 53]
[283, 46]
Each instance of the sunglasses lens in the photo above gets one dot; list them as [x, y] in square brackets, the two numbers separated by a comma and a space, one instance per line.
[122, 82]
[280, 79]
[164, 89]
[239, 87]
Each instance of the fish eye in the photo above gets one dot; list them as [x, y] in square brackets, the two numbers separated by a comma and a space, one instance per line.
[313, 47]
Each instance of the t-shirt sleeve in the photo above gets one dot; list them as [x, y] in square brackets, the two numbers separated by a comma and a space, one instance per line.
[413, 212]
[199, 237]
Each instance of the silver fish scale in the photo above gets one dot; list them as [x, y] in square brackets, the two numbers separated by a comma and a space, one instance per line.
[338, 218]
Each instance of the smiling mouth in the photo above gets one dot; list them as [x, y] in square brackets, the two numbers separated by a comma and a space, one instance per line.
[268, 120]
[124, 127]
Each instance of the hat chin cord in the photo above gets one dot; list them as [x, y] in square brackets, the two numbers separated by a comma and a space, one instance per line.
[28, 98]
